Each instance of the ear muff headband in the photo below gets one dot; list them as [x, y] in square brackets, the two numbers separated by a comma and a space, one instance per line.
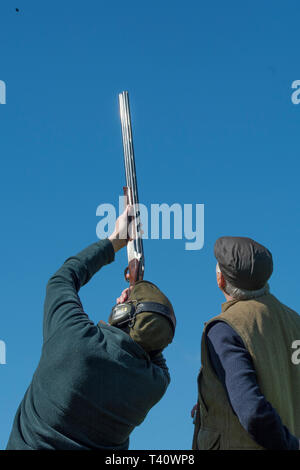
[155, 307]
[126, 312]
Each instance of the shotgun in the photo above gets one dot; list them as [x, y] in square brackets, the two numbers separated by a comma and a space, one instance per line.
[135, 251]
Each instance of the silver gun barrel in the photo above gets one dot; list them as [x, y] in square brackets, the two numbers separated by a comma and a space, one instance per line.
[128, 144]
[130, 170]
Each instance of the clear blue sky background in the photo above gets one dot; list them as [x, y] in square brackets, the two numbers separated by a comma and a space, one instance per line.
[210, 88]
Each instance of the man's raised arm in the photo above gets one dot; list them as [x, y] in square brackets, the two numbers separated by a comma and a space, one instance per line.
[62, 303]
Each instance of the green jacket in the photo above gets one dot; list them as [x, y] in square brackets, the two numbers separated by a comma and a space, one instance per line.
[268, 329]
[93, 383]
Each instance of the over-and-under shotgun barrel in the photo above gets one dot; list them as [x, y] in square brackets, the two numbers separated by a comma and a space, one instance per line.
[135, 249]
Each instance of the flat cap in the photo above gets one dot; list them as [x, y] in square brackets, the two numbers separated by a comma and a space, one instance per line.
[244, 262]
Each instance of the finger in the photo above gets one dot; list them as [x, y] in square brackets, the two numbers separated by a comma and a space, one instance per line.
[125, 296]
[193, 411]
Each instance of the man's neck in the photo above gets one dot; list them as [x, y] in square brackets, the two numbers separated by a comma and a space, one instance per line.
[227, 297]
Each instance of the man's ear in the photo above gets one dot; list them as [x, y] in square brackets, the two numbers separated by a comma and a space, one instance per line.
[221, 281]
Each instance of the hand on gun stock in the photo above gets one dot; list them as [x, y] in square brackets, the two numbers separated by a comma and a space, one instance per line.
[124, 296]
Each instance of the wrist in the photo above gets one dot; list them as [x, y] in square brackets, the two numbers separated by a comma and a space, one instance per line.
[117, 243]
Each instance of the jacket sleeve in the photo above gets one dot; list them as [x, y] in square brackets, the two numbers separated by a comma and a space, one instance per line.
[234, 368]
[62, 304]
[160, 361]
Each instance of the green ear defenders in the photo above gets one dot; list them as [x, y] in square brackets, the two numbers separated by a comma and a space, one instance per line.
[124, 314]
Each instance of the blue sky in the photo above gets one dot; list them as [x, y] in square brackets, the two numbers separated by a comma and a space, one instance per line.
[214, 124]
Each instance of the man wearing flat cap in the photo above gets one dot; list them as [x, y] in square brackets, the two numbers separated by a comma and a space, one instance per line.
[248, 386]
[95, 383]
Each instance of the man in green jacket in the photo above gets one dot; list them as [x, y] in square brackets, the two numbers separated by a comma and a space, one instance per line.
[94, 383]
[248, 386]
